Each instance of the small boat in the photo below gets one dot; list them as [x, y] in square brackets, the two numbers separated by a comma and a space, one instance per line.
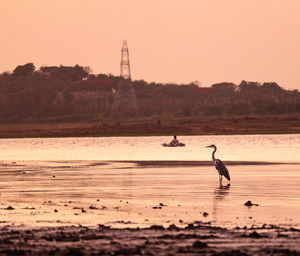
[170, 145]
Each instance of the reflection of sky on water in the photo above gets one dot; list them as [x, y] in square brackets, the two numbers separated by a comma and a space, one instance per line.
[276, 148]
[187, 192]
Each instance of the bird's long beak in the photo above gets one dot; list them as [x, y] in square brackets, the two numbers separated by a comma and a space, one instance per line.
[208, 146]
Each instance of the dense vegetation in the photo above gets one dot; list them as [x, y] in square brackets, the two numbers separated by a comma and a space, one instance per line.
[74, 94]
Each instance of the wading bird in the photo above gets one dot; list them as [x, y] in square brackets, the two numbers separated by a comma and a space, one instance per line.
[221, 168]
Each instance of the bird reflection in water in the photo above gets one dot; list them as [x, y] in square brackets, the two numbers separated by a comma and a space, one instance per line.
[220, 193]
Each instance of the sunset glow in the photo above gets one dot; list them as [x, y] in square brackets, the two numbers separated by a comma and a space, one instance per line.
[169, 41]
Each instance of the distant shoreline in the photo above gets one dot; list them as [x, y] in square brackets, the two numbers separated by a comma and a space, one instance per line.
[282, 124]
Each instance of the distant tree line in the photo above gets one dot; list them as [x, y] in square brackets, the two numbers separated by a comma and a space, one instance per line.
[63, 93]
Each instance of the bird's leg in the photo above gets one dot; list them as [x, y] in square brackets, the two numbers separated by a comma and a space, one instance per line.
[220, 180]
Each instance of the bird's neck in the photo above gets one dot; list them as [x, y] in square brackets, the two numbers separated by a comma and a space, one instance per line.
[213, 154]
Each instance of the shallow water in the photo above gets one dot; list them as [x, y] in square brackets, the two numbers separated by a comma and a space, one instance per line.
[126, 193]
[41, 175]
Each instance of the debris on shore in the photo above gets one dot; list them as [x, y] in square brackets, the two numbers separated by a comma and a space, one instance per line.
[249, 204]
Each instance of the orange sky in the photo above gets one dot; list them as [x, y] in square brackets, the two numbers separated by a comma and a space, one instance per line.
[169, 40]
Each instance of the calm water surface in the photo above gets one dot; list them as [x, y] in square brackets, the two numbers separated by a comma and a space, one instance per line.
[39, 176]
[274, 148]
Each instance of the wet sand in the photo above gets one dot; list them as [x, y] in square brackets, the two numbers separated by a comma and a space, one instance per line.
[194, 239]
[171, 163]
[65, 208]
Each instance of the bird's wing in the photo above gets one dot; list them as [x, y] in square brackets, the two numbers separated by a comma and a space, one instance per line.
[222, 169]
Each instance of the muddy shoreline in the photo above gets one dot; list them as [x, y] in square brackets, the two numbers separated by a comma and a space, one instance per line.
[54, 208]
[282, 124]
[173, 163]
[193, 239]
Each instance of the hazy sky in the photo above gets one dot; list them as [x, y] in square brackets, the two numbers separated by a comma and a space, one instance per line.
[169, 40]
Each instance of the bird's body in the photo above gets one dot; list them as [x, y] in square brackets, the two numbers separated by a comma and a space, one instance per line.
[221, 168]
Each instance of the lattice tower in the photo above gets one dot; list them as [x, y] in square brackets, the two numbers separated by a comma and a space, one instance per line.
[125, 103]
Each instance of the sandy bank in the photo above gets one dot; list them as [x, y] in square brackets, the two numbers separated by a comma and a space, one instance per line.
[165, 163]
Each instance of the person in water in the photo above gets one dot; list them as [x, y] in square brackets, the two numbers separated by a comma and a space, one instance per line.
[175, 141]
